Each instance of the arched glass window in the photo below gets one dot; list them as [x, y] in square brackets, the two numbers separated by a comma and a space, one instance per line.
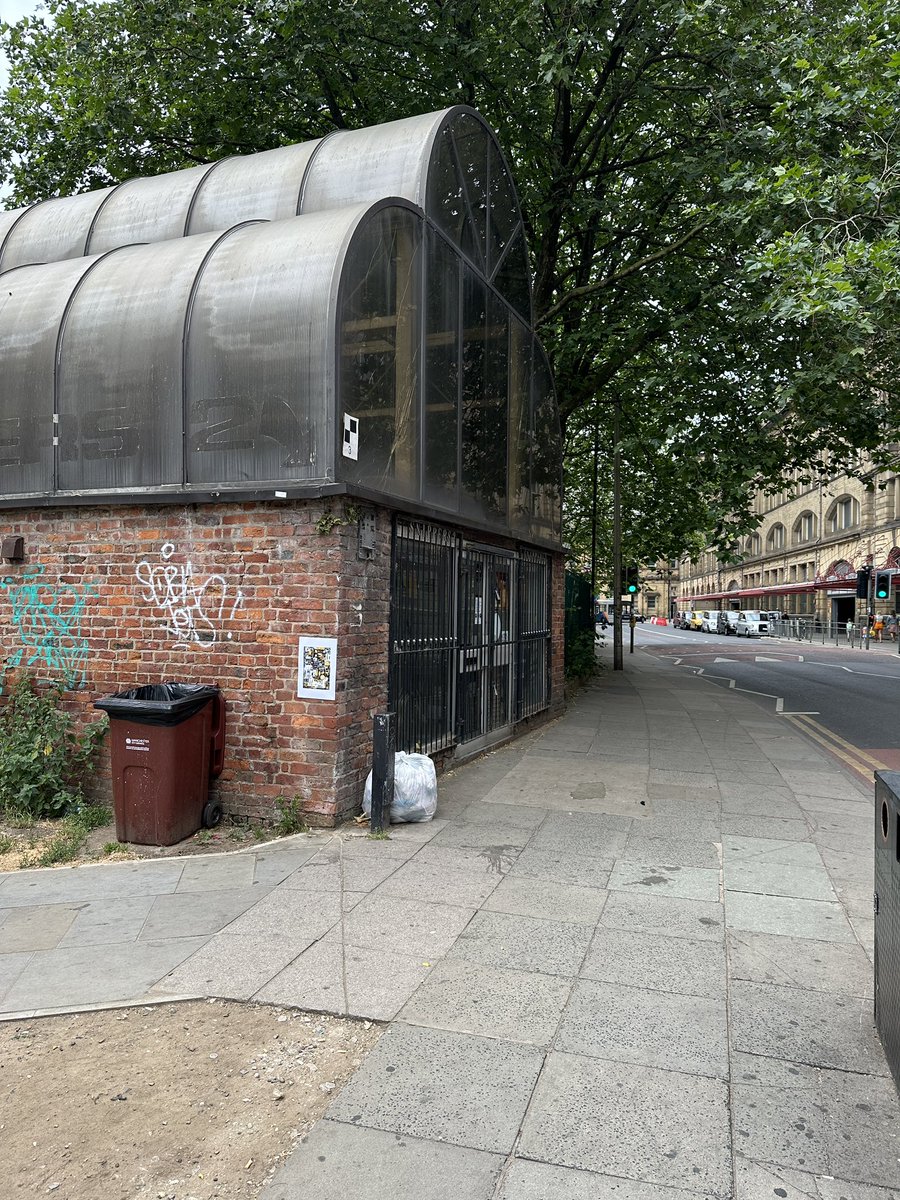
[843, 514]
[805, 528]
[775, 539]
[471, 197]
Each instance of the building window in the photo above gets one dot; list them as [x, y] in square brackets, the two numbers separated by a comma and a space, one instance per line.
[843, 514]
[804, 528]
[775, 540]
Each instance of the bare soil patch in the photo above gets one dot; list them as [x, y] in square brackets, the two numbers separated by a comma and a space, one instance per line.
[21, 845]
[186, 1101]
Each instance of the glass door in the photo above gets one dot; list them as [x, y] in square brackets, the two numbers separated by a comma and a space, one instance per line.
[485, 656]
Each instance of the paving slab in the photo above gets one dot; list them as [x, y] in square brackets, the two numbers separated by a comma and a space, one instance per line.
[349, 980]
[77, 975]
[800, 962]
[233, 967]
[666, 915]
[449, 1087]
[492, 809]
[822, 920]
[192, 914]
[502, 836]
[664, 841]
[562, 866]
[826, 1029]
[65, 885]
[426, 930]
[628, 1024]
[665, 878]
[470, 997]
[764, 827]
[657, 962]
[418, 880]
[293, 915]
[220, 872]
[630, 1121]
[528, 897]
[522, 943]
[38, 928]
[338, 875]
[107, 922]
[11, 967]
[528, 1180]
[336, 1161]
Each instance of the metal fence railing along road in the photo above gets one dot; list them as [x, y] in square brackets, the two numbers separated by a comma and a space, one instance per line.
[830, 633]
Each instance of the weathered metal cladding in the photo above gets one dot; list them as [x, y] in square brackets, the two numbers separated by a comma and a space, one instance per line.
[206, 361]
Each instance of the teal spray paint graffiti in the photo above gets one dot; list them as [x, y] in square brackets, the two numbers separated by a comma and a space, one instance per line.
[48, 618]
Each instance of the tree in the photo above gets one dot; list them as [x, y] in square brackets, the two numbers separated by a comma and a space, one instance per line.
[706, 253]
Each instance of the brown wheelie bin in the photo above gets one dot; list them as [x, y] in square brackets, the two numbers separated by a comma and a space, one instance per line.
[162, 745]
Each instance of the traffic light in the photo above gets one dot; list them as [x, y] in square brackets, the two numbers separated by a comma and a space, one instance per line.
[882, 585]
[862, 583]
[632, 581]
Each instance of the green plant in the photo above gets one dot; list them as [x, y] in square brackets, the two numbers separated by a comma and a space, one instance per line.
[581, 658]
[291, 816]
[381, 835]
[111, 847]
[43, 757]
[6, 843]
[328, 520]
[70, 835]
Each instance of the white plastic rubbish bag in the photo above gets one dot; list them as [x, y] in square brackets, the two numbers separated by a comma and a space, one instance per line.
[415, 789]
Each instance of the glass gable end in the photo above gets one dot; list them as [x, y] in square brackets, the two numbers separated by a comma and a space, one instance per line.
[194, 333]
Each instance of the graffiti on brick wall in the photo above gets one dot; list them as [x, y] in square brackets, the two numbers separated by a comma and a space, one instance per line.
[48, 618]
[196, 609]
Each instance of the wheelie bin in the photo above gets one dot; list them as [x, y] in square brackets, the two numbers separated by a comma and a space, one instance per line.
[167, 742]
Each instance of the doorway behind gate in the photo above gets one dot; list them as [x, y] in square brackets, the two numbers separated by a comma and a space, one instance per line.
[470, 639]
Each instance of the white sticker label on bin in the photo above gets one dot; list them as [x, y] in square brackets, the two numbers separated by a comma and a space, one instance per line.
[137, 743]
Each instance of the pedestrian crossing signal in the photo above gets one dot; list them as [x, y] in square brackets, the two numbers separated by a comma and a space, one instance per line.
[882, 585]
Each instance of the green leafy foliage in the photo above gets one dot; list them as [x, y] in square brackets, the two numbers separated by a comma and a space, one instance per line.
[709, 190]
[290, 816]
[43, 757]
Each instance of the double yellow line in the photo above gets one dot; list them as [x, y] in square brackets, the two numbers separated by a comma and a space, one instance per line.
[860, 761]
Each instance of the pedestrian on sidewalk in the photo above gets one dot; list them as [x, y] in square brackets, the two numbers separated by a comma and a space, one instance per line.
[878, 626]
[890, 626]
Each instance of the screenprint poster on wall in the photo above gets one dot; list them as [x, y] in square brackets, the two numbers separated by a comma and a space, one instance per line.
[317, 668]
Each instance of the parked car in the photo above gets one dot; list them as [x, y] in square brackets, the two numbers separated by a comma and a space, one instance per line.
[682, 619]
[751, 623]
[709, 621]
[696, 620]
[727, 622]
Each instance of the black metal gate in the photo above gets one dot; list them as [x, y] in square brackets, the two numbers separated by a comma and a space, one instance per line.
[470, 638]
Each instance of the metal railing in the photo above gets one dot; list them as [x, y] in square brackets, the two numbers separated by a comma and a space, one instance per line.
[828, 633]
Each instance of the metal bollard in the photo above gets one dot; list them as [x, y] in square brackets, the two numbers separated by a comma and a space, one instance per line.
[384, 739]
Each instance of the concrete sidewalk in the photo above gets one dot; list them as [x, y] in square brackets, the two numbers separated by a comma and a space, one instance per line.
[631, 958]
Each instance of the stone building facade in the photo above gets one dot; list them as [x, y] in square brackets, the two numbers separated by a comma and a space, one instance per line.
[802, 560]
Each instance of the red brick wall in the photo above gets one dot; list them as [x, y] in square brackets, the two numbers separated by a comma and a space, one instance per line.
[110, 598]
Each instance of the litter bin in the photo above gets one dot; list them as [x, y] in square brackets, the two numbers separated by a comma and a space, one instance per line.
[167, 741]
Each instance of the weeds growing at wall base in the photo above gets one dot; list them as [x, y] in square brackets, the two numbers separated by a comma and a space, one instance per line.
[44, 758]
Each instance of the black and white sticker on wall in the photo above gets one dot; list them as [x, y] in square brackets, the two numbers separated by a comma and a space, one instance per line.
[351, 437]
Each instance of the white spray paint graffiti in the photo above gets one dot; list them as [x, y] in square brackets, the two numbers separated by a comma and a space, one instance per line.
[195, 611]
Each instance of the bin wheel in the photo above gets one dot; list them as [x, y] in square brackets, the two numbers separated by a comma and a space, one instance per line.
[212, 815]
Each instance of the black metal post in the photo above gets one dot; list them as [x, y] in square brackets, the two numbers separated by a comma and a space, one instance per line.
[384, 739]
